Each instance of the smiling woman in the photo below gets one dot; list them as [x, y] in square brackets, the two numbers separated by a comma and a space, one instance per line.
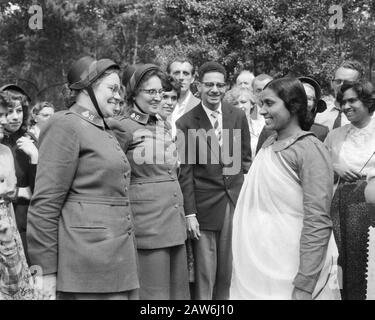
[81, 229]
[352, 149]
[155, 193]
[283, 246]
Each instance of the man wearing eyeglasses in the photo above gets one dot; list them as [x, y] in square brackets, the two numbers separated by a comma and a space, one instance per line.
[332, 117]
[182, 70]
[210, 191]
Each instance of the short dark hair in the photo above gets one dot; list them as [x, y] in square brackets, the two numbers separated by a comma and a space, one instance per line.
[354, 65]
[181, 60]
[293, 94]
[364, 90]
[169, 84]
[211, 66]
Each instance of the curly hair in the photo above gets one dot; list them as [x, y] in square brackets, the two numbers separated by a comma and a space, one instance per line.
[354, 65]
[233, 94]
[39, 106]
[14, 97]
[364, 90]
[293, 94]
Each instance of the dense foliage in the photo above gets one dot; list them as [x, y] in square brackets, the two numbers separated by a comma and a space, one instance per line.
[271, 36]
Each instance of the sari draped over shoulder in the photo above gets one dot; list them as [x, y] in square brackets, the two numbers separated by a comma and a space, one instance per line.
[267, 227]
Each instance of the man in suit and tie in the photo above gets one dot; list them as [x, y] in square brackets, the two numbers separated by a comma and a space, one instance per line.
[182, 70]
[211, 178]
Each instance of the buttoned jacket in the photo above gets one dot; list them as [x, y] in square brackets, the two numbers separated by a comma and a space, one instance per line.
[79, 220]
[155, 194]
[212, 175]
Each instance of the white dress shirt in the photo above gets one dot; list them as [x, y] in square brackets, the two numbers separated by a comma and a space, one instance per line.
[178, 112]
[217, 114]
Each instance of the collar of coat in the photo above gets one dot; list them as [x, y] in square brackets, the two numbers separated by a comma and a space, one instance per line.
[284, 144]
[88, 115]
[142, 118]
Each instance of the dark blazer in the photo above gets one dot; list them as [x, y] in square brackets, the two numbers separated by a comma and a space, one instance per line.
[319, 130]
[79, 220]
[208, 180]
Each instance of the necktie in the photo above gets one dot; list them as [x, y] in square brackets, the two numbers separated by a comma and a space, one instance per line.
[217, 126]
[337, 123]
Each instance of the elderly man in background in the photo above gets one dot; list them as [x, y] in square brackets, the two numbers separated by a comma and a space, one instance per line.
[245, 79]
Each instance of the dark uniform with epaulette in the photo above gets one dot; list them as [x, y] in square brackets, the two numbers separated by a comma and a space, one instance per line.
[80, 223]
[157, 204]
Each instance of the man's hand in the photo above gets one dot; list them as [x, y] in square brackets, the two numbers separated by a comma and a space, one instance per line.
[299, 294]
[193, 228]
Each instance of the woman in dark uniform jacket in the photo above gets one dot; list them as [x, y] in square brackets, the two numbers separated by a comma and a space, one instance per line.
[80, 228]
[155, 193]
[22, 143]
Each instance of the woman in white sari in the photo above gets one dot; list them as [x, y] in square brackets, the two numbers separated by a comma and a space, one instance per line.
[282, 232]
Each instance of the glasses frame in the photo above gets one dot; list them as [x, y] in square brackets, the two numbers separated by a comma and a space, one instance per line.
[219, 85]
[153, 92]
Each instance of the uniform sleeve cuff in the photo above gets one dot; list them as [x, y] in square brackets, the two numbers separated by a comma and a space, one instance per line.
[305, 283]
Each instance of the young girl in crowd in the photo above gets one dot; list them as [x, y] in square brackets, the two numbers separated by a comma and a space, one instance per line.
[25, 153]
[15, 277]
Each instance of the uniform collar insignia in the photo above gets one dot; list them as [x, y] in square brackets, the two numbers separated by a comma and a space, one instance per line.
[139, 117]
[88, 115]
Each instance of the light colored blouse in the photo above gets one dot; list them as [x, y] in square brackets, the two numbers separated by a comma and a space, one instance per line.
[353, 146]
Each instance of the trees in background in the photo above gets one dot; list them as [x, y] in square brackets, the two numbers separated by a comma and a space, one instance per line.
[271, 36]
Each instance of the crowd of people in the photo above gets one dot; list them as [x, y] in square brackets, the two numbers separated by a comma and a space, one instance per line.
[172, 184]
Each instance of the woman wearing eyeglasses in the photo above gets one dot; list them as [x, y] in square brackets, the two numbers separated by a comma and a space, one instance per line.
[352, 148]
[40, 114]
[80, 226]
[155, 193]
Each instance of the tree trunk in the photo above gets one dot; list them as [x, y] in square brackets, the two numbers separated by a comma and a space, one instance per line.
[371, 62]
[135, 55]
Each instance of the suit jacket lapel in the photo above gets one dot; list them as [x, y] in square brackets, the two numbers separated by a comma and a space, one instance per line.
[228, 123]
